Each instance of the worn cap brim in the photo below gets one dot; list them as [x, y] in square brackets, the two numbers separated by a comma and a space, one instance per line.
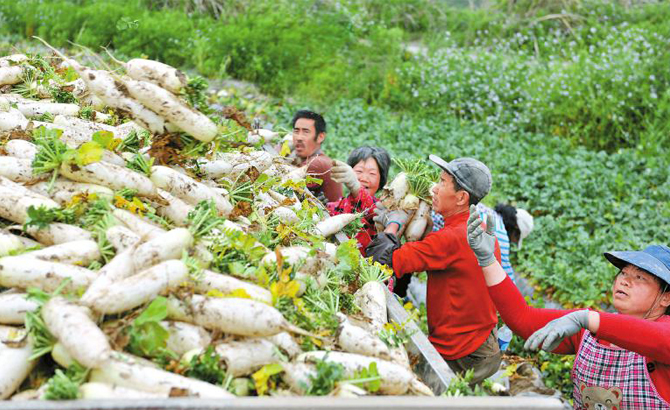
[640, 259]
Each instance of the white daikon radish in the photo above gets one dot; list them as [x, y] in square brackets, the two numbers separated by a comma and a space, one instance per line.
[227, 284]
[120, 267]
[23, 272]
[19, 170]
[61, 356]
[57, 233]
[109, 175]
[15, 199]
[286, 215]
[145, 229]
[215, 169]
[64, 190]
[188, 189]
[12, 119]
[11, 75]
[394, 380]
[13, 308]
[12, 59]
[140, 288]
[15, 363]
[417, 226]
[334, 224]
[169, 245]
[9, 243]
[185, 337]
[354, 339]
[149, 379]
[21, 149]
[371, 299]
[285, 342]
[174, 208]
[81, 252]
[122, 238]
[242, 357]
[157, 73]
[97, 391]
[32, 109]
[399, 187]
[243, 317]
[72, 325]
[84, 125]
[170, 107]
[258, 135]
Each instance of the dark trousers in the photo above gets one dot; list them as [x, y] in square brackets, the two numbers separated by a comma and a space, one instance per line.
[485, 360]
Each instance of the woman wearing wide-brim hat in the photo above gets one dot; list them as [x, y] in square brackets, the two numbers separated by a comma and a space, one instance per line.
[623, 359]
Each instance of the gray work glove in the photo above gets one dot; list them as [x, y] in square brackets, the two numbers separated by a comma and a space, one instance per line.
[553, 333]
[384, 216]
[344, 174]
[482, 242]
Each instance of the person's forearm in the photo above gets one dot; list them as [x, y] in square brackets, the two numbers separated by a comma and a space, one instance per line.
[494, 274]
[392, 228]
[594, 322]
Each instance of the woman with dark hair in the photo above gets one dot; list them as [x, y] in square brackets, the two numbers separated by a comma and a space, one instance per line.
[364, 173]
[623, 358]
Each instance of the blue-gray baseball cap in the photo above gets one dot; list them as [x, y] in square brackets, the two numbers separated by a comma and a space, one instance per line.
[471, 174]
[654, 259]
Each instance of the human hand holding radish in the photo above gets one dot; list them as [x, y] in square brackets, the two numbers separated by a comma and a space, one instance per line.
[481, 241]
[385, 217]
[341, 172]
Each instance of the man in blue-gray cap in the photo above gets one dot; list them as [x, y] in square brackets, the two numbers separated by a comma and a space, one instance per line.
[461, 316]
[622, 359]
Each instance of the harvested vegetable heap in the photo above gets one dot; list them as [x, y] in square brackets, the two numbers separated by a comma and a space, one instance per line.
[151, 248]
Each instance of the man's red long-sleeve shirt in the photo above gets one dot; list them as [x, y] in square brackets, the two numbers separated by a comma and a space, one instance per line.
[461, 314]
[650, 339]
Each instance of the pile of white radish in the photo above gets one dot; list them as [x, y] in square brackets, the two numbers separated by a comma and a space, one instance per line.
[131, 273]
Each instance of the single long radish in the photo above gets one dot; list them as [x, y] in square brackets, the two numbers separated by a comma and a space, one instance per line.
[9, 243]
[23, 272]
[157, 73]
[149, 379]
[77, 252]
[170, 107]
[242, 357]
[15, 199]
[72, 325]
[32, 109]
[112, 176]
[354, 339]
[185, 337]
[334, 224]
[140, 288]
[21, 149]
[399, 187]
[11, 119]
[215, 169]
[371, 299]
[19, 170]
[286, 215]
[145, 229]
[11, 75]
[57, 233]
[13, 308]
[108, 391]
[394, 379]
[285, 342]
[227, 284]
[297, 174]
[15, 363]
[417, 226]
[64, 190]
[188, 189]
[120, 267]
[298, 376]
[122, 238]
[243, 317]
[173, 208]
[12, 59]
[84, 125]
[169, 245]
